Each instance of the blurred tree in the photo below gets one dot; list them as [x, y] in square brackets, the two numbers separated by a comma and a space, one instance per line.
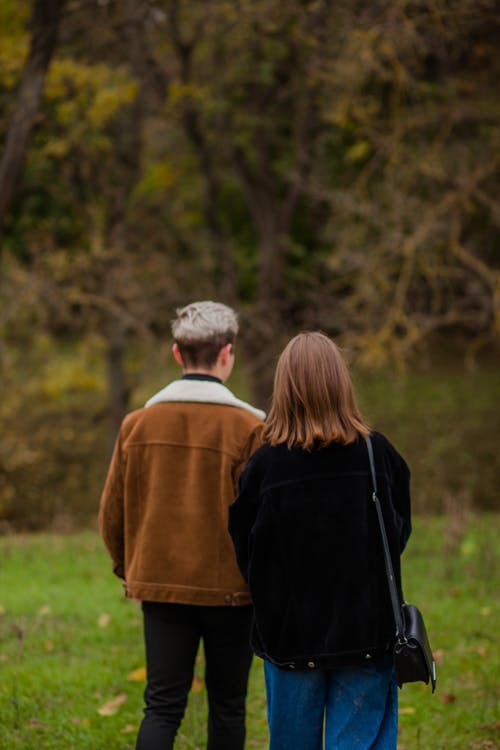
[245, 89]
[415, 227]
[317, 164]
[78, 241]
[44, 26]
[329, 165]
[356, 144]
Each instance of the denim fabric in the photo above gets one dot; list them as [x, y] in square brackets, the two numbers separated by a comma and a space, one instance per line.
[344, 709]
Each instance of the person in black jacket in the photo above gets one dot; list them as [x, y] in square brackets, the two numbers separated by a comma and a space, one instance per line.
[307, 540]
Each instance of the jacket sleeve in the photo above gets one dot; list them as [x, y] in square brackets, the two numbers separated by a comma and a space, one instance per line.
[242, 515]
[253, 442]
[111, 511]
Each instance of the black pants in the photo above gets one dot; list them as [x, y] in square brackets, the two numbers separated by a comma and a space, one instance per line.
[172, 634]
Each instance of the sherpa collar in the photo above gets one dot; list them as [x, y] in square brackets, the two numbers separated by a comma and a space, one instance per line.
[201, 391]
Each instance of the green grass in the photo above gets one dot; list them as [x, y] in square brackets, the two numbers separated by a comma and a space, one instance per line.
[58, 665]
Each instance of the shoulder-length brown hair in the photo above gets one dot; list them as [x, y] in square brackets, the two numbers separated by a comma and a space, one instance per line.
[313, 397]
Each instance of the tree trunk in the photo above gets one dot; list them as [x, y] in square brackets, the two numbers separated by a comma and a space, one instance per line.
[44, 29]
[118, 391]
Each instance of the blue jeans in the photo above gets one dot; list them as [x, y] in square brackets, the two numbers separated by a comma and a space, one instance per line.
[349, 709]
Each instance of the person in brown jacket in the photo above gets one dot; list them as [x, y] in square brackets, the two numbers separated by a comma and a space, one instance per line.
[163, 518]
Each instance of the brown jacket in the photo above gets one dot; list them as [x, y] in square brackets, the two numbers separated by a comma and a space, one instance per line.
[164, 508]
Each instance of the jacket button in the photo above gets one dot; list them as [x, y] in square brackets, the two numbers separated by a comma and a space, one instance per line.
[311, 664]
[368, 656]
[228, 598]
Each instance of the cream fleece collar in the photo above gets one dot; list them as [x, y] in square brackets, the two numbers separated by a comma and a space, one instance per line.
[202, 391]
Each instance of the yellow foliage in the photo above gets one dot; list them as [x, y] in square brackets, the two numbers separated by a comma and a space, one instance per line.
[12, 54]
[69, 376]
[14, 41]
[358, 152]
[108, 101]
[66, 111]
[88, 93]
[178, 91]
[158, 177]
[14, 16]
[74, 371]
[339, 113]
[56, 148]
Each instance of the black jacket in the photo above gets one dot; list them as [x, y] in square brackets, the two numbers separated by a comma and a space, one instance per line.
[307, 540]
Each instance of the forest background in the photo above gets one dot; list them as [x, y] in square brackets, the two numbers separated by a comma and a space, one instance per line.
[316, 164]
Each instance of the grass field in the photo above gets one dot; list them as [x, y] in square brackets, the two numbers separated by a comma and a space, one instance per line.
[71, 659]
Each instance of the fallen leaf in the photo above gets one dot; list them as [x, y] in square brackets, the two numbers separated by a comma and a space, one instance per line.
[438, 656]
[2, 611]
[49, 646]
[103, 620]
[138, 675]
[44, 610]
[34, 724]
[407, 710]
[197, 685]
[494, 726]
[112, 706]
[128, 728]
[77, 720]
[447, 698]
[468, 680]
[485, 611]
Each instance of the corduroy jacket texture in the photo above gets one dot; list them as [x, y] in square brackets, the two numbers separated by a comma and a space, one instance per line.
[164, 508]
[306, 536]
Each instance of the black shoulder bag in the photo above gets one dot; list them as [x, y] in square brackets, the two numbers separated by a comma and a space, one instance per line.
[412, 653]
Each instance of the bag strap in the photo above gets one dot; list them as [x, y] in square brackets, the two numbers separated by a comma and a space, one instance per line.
[396, 605]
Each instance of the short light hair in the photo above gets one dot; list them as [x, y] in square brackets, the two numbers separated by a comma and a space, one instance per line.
[202, 329]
